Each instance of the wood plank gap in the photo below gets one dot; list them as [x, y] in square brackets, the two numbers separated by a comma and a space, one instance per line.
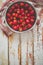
[37, 32]
[42, 37]
[27, 55]
[20, 46]
[32, 48]
[8, 51]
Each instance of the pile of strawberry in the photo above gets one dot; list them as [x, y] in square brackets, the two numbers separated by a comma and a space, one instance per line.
[21, 16]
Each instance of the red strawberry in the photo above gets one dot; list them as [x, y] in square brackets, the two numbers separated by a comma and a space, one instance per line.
[20, 25]
[32, 20]
[28, 14]
[26, 11]
[24, 28]
[20, 16]
[15, 28]
[23, 14]
[33, 17]
[10, 10]
[16, 15]
[21, 21]
[11, 18]
[15, 22]
[26, 5]
[8, 19]
[20, 29]
[22, 4]
[14, 18]
[32, 12]
[30, 8]
[22, 10]
[16, 5]
[18, 11]
[27, 21]
[29, 25]
[25, 17]
[13, 14]
[29, 18]
[15, 10]
[10, 22]
[12, 7]
[8, 14]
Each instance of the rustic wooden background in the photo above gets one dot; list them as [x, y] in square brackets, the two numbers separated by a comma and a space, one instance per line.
[22, 49]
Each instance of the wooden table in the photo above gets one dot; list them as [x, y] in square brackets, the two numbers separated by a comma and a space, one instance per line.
[22, 49]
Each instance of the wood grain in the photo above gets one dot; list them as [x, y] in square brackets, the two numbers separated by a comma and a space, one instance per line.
[38, 57]
[30, 48]
[3, 49]
[42, 37]
[23, 48]
[13, 49]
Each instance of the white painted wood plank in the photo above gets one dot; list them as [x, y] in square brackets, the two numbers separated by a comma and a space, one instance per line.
[30, 48]
[13, 49]
[38, 51]
[3, 49]
[3, 46]
[27, 48]
[24, 60]
[20, 42]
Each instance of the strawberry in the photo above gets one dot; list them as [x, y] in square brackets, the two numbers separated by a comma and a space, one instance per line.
[30, 8]
[8, 14]
[23, 14]
[16, 15]
[13, 14]
[18, 26]
[10, 22]
[16, 5]
[28, 14]
[21, 4]
[22, 10]
[32, 20]
[26, 11]
[21, 21]
[29, 25]
[18, 11]
[24, 28]
[14, 22]
[12, 7]
[20, 29]
[26, 5]
[32, 12]
[15, 28]
[27, 21]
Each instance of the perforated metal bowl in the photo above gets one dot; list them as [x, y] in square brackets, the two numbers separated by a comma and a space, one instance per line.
[8, 24]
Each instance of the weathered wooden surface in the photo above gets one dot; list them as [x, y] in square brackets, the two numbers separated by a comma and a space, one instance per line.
[3, 46]
[22, 49]
[3, 49]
